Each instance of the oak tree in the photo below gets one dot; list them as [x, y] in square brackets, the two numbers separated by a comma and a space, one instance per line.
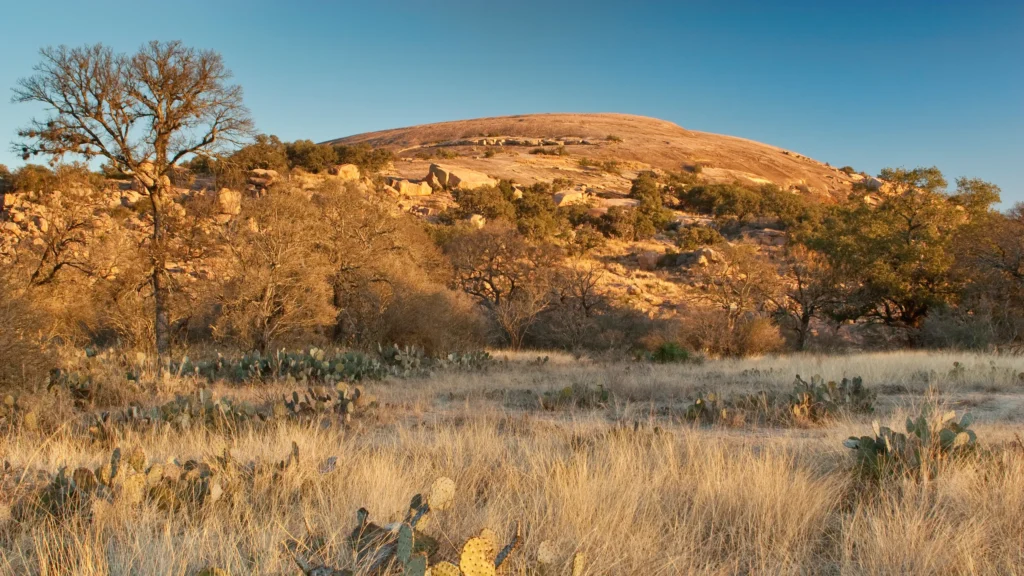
[144, 113]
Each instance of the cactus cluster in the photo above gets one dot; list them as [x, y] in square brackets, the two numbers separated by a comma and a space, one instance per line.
[341, 401]
[311, 366]
[930, 439]
[403, 548]
[810, 402]
[576, 396]
[130, 478]
[79, 384]
[18, 411]
[816, 400]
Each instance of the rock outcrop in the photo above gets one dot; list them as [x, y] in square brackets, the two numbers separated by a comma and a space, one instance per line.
[347, 172]
[648, 260]
[404, 187]
[450, 178]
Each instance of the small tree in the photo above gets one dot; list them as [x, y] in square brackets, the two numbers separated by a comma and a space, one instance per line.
[811, 286]
[145, 113]
[509, 276]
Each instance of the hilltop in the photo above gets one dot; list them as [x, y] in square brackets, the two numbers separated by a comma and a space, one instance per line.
[500, 147]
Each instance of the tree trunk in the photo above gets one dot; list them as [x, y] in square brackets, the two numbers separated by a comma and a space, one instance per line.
[161, 289]
[160, 297]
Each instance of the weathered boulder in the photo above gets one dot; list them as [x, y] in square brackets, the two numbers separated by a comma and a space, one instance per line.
[568, 197]
[477, 221]
[709, 254]
[261, 179]
[410, 188]
[624, 202]
[346, 172]
[450, 178]
[648, 260]
[229, 202]
[699, 257]
[872, 183]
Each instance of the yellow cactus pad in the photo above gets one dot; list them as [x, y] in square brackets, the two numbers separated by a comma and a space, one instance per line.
[578, 563]
[444, 569]
[492, 538]
[442, 493]
[477, 558]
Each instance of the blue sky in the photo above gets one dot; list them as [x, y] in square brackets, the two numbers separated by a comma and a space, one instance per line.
[869, 84]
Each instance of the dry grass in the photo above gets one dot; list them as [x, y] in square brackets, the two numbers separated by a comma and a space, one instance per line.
[679, 500]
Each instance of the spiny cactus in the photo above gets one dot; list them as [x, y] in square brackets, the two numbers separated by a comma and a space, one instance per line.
[378, 549]
[548, 557]
[816, 400]
[929, 440]
[18, 411]
[576, 396]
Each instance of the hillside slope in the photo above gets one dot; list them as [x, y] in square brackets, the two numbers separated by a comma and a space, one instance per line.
[646, 143]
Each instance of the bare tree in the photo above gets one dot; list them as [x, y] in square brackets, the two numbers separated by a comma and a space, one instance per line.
[509, 276]
[739, 283]
[810, 287]
[144, 113]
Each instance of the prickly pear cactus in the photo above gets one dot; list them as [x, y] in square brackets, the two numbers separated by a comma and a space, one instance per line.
[445, 569]
[477, 558]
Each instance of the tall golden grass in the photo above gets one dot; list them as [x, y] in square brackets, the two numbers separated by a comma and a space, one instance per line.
[659, 499]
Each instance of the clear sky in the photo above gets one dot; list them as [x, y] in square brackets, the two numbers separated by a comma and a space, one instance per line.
[865, 83]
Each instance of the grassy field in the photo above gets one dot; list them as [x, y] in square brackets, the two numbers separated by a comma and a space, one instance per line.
[612, 469]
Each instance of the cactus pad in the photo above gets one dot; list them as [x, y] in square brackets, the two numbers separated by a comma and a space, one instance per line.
[477, 558]
[442, 493]
[547, 553]
[491, 537]
[403, 549]
[578, 563]
[445, 569]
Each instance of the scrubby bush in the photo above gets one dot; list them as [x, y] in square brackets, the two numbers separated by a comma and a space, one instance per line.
[32, 178]
[559, 151]
[692, 237]
[23, 360]
[613, 138]
[311, 157]
[671, 353]
[369, 159]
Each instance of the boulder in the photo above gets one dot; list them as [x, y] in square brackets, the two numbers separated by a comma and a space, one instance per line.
[872, 183]
[229, 202]
[624, 202]
[129, 198]
[568, 197]
[648, 260]
[477, 221]
[261, 179]
[451, 178]
[709, 254]
[346, 172]
[409, 188]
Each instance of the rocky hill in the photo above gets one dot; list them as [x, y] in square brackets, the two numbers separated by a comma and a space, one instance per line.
[501, 148]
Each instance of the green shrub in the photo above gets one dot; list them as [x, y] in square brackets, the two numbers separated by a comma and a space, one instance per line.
[369, 159]
[691, 238]
[672, 353]
[310, 157]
